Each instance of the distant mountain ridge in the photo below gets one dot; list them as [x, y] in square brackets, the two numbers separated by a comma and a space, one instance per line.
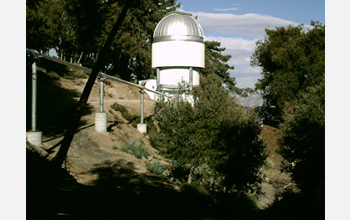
[252, 100]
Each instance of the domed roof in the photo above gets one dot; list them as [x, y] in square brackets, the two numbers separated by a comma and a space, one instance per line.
[178, 26]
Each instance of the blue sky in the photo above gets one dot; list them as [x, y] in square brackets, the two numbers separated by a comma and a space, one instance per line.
[238, 24]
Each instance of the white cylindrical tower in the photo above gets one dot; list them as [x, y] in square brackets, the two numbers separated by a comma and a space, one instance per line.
[178, 51]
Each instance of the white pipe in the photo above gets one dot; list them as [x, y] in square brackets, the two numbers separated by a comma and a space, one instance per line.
[34, 95]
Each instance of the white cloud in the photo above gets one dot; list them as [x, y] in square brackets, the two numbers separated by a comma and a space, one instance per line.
[225, 27]
[240, 50]
[226, 9]
[251, 25]
[234, 43]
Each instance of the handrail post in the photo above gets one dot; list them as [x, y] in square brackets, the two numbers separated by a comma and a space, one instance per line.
[191, 79]
[102, 79]
[142, 127]
[142, 104]
[34, 94]
[34, 137]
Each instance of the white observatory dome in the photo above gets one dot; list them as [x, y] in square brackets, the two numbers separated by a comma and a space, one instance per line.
[178, 26]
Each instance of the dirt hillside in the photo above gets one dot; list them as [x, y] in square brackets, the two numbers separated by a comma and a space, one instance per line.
[91, 151]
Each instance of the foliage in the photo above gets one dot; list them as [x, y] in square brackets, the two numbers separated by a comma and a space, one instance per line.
[267, 164]
[292, 59]
[53, 75]
[136, 148]
[216, 63]
[125, 113]
[155, 167]
[131, 118]
[42, 19]
[216, 133]
[78, 29]
[303, 142]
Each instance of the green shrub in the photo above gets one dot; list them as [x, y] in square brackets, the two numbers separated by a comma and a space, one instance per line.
[125, 113]
[69, 75]
[267, 164]
[136, 148]
[140, 151]
[53, 75]
[136, 120]
[279, 151]
[215, 131]
[72, 74]
[81, 74]
[155, 167]
[129, 144]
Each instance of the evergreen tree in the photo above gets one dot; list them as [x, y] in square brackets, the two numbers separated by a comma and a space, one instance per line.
[214, 143]
[42, 21]
[216, 63]
[303, 143]
[292, 59]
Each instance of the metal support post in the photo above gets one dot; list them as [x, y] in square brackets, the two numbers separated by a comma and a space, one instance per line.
[158, 85]
[142, 127]
[158, 79]
[34, 94]
[34, 137]
[191, 79]
[102, 78]
[142, 104]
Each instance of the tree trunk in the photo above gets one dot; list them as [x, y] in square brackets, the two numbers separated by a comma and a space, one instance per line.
[189, 180]
[81, 55]
[62, 153]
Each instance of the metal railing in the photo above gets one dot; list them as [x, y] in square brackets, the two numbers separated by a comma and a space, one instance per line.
[89, 70]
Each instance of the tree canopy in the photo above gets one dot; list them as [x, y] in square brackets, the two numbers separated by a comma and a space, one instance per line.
[293, 89]
[77, 29]
[215, 143]
[303, 143]
[216, 63]
[292, 59]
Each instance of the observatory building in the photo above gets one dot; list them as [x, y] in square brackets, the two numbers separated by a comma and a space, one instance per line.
[178, 52]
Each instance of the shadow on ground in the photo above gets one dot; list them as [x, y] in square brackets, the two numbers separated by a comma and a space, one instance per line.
[121, 193]
[55, 105]
[118, 193]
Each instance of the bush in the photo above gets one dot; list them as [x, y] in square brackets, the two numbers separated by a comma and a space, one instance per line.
[133, 119]
[155, 167]
[136, 148]
[140, 151]
[73, 74]
[53, 75]
[215, 132]
[279, 151]
[303, 143]
[267, 164]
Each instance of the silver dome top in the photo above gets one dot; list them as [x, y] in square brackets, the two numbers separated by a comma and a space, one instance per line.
[178, 26]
